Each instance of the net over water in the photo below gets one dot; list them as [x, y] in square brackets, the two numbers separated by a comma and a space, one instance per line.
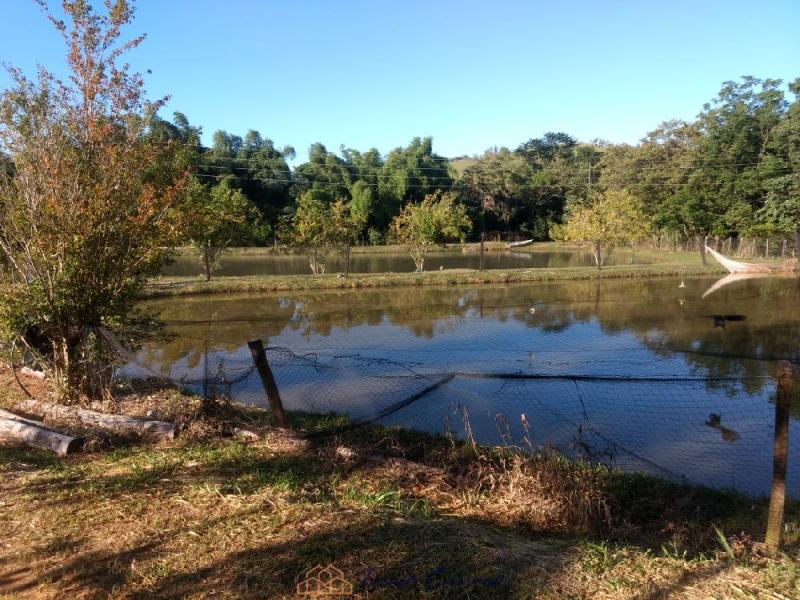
[639, 374]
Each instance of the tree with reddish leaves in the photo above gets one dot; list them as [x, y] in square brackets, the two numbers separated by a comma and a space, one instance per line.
[89, 205]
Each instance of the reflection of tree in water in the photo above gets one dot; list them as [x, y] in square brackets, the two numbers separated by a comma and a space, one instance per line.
[227, 322]
[648, 309]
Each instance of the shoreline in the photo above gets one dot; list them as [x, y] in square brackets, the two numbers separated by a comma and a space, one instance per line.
[190, 286]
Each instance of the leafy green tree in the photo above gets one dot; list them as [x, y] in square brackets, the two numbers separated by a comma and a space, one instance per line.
[362, 206]
[553, 145]
[728, 182]
[408, 175]
[324, 171]
[221, 216]
[256, 167]
[499, 183]
[614, 218]
[90, 207]
[319, 227]
[780, 170]
[657, 170]
[437, 219]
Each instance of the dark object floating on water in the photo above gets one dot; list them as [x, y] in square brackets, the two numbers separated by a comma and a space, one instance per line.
[715, 422]
[720, 320]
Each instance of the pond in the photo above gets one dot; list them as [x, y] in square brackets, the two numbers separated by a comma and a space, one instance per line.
[241, 263]
[642, 374]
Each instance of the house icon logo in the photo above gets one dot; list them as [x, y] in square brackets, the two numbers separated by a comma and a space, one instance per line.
[325, 582]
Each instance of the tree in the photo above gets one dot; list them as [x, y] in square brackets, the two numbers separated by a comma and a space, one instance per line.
[221, 216]
[256, 167]
[657, 170]
[362, 205]
[438, 218]
[737, 128]
[498, 183]
[319, 227]
[408, 175]
[85, 217]
[614, 218]
[780, 169]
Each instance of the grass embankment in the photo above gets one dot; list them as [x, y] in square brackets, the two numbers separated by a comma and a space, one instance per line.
[662, 264]
[402, 515]
[183, 286]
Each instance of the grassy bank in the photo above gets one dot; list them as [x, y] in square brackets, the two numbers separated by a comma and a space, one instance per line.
[182, 286]
[401, 515]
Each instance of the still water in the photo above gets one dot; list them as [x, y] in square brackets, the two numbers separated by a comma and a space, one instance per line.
[635, 373]
[244, 263]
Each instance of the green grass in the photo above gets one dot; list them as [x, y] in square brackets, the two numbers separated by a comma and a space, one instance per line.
[184, 286]
[664, 264]
[403, 514]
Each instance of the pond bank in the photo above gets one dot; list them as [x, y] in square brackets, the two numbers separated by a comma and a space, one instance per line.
[184, 286]
[399, 514]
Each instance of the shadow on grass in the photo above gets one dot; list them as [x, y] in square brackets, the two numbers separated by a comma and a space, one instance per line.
[383, 548]
[382, 557]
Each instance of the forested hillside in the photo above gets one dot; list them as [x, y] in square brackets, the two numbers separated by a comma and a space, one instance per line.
[734, 170]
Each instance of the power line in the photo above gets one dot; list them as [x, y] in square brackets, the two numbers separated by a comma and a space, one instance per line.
[432, 184]
[697, 163]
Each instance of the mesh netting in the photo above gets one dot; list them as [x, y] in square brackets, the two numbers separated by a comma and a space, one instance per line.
[711, 431]
[646, 375]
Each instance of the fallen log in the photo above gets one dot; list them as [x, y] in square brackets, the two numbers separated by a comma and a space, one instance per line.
[159, 430]
[14, 428]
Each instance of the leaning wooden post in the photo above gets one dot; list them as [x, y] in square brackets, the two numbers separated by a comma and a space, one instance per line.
[777, 498]
[268, 381]
[347, 261]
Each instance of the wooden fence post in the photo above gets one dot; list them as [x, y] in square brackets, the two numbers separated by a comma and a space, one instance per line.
[347, 261]
[268, 381]
[483, 237]
[777, 498]
[702, 247]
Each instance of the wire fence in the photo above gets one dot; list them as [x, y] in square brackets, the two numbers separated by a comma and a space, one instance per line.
[711, 430]
[765, 246]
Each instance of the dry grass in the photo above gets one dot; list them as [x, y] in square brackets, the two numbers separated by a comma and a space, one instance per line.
[403, 515]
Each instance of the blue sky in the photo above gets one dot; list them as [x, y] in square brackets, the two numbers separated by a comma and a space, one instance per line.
[472, 74]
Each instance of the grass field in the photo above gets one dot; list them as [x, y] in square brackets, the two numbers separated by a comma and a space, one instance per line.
[182, 286]
[400, 514]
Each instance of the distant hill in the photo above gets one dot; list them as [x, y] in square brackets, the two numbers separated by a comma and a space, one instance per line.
[461, 163]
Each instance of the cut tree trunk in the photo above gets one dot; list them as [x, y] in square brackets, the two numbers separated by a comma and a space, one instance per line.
[159, 430]
[14, 428]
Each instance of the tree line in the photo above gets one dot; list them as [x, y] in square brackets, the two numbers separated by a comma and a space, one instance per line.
[733, 171]
[96, 188]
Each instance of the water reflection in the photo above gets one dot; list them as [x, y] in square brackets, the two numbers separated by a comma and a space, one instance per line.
[360, 351]
[239, 263]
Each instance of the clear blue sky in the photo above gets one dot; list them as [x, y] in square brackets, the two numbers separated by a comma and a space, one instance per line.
[471, 73]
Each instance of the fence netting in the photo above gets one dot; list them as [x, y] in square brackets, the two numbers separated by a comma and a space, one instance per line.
[711, 430]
